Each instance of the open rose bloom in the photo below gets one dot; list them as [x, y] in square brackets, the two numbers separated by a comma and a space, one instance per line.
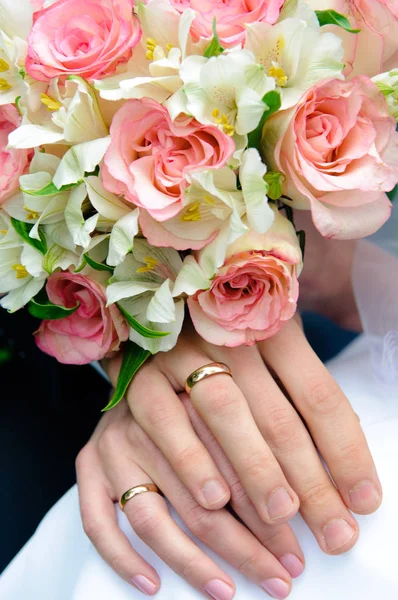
[154, 156]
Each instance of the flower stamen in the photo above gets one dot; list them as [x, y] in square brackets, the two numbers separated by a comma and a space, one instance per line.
[20, 271]
[50, 103]
[4, 66]
[4, 85]
[151, 264]
[32, 214]
[278, 74]
[222, 119]
[151, 46]
[192, 213]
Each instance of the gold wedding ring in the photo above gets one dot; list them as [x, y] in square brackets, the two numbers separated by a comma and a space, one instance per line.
[215, 368]
[135, 491]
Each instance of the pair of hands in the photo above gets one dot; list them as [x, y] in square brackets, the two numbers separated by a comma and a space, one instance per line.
[240, 441]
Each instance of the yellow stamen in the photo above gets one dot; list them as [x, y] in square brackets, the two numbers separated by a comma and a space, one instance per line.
[3, 231]
[169, 47]
[222, 119]
[151, 263]
[192, 213]
[20, 271]
[4, 85]
[32, 214]
[151, 45]
[50, 103]
[209, 200]
[4, 66]
[278, 74]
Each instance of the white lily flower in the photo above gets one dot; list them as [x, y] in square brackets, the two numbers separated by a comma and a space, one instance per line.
[79, 160]
[227, 90]
[297, 55]
[154, 68]
[72, 116]
[143, 285]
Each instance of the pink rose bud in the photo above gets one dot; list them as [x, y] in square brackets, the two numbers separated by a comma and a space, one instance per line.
[339, 151]
[254, 292]
[87, 38]
[91, 332]
[13, 163]
[150, 155]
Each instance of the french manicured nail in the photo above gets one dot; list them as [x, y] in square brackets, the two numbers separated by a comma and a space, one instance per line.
[214, 492]
[145, 585]
[277, 588]
[280, 504]
[364, 497]
[292, 564]
[337, 534]
[219, 590]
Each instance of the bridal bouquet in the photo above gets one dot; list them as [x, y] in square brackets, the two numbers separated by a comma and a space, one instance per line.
[152, 155]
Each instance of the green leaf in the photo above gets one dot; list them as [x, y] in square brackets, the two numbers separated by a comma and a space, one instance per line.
[273, 102]
[214, 48]
[96, 265]
[49, 190]
[136, 325]
[42, 308]
[274, 181]
[23, 229]
[133, 359]
[331, 17]
[393, 195]
[5, 356]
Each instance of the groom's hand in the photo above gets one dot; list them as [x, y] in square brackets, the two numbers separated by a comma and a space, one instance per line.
[271, 449]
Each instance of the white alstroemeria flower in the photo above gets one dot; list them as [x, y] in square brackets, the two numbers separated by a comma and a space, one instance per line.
[388, 85]
[12, 59]
[143, 286]
[51, 115]
[21, 275]
[260, 215]
[31, 207]
[297, 55]
[16, 18]
[227, 90]
[154, 68]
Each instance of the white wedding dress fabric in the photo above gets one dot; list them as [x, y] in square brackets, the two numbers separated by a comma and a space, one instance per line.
[59, 563]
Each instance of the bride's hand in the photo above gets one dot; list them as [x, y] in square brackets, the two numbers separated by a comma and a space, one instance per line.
[120, 456]
[262, 433]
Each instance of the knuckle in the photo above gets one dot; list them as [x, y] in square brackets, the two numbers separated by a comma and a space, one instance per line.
[239, 497]
[256, 465]
[109, 441]
[201, 522]
[187, 459]
[283, 429]
[323, 396]
[189, 568]
[351, 452]
[317, 493]
[250, 565]
[145, 520]
[119, 563]
[155, 416]
[83, 457]
[219, 400]
[274, 536]
[91, 525]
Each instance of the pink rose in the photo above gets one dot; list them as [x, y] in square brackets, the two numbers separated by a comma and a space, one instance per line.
[375, 49]
[339, 151]
[88, 38]
[254, 292]
[91, 332]
[13, 163]
[150, 156]
[231, 17]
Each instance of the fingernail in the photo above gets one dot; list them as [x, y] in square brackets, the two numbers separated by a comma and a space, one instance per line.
[337, 533]
[292, 564]
[214, 492]
[364, 497]
[280, 504]
[277, 588]
[144, 585]
[219, 590]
